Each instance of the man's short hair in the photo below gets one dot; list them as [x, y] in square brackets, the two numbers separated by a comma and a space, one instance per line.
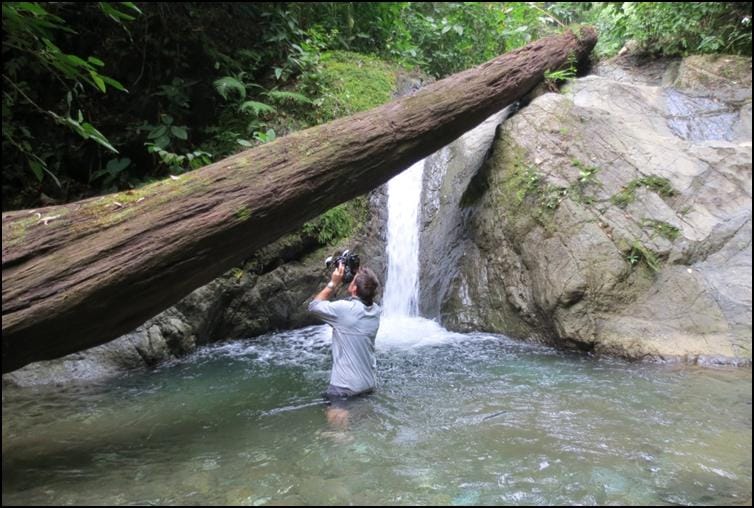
[366, 285]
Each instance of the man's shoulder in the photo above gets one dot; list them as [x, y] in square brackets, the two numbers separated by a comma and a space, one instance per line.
[337, 305]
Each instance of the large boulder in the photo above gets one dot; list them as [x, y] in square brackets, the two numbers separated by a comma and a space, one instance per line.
[616, 217]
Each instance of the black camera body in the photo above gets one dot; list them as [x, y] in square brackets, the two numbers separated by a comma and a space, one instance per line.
[349, 260]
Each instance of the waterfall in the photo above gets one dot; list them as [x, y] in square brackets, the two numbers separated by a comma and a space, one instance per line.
[401, 296]
[401, 326]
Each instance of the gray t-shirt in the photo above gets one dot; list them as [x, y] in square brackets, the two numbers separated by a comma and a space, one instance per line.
[354, 330]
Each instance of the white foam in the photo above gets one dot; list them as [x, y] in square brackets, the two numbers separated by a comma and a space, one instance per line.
[405, 332]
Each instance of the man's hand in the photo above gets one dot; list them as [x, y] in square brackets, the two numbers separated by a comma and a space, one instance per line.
[335, 281]
[338, 274]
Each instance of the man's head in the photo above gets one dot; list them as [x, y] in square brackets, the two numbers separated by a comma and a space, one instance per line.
[364, 285]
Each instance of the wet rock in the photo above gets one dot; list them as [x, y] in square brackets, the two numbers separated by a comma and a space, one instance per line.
[617, 217]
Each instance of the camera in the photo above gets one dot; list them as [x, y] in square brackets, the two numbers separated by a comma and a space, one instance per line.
[349, 260]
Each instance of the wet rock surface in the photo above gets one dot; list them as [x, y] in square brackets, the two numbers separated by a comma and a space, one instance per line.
[617, 216]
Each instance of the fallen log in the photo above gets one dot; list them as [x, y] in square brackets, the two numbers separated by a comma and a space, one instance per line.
[82, 274]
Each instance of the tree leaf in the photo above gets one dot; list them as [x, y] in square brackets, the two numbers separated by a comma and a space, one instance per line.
[114, 83]
[98, 80]
[162, 142]
[179, 132]
[76, 61]
[157, 132]
[117, 165]
[96, 61]
[97, 136]
[131, 5]
[37, 169]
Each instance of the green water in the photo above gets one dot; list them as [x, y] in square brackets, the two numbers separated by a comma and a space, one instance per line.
[457, 420]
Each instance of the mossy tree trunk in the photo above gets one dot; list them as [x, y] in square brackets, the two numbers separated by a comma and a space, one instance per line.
[79, 275]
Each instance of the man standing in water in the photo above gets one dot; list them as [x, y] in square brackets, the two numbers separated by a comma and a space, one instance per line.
[355, 321]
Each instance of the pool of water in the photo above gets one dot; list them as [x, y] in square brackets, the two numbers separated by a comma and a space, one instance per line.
[458, 419]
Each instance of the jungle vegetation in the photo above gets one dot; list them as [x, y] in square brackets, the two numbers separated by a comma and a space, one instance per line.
[99, 97]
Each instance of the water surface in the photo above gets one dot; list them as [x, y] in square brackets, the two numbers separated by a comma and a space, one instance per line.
[457, 419]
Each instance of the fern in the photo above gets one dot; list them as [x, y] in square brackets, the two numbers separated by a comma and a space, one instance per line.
[283, 96]
[256, 107]
[226, 84]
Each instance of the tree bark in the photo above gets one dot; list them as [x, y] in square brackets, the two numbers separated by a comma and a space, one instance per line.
[81, 274]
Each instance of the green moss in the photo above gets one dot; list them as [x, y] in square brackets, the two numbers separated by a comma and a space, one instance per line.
[16, 229]
[352, 82]
[659, 185]
[527, 199]
[655, 183]
[15, 232]
[525, 182]
[237, 273]
[638, 253]
[661, 228]
[243, 213]
[625, 197]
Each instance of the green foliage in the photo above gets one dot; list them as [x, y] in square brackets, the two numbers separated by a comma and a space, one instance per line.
[530, 182]
[256, 108]
[586, 173]
[348, 83]
[112, 171]
[561, 75]
[167, 135]
[639, 253]
[553, 196]
[553, 79]
[331, 226]
[288, 97]
[227, 84]
[29, 48]
[674, 28]
[526, 182]
[662, 228]
[234, 75]
[258, 112]
[447, 37]
[658, 184]
[83, 128]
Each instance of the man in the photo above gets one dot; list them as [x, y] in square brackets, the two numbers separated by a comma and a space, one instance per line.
[355, 322]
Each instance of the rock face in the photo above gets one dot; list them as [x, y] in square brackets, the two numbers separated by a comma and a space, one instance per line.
[443, 236]
[616, 217]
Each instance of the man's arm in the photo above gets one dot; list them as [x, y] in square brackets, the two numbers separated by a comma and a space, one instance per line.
[329, 290]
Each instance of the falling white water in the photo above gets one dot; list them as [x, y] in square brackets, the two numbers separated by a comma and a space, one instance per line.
[401, 326]
[402, 287]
